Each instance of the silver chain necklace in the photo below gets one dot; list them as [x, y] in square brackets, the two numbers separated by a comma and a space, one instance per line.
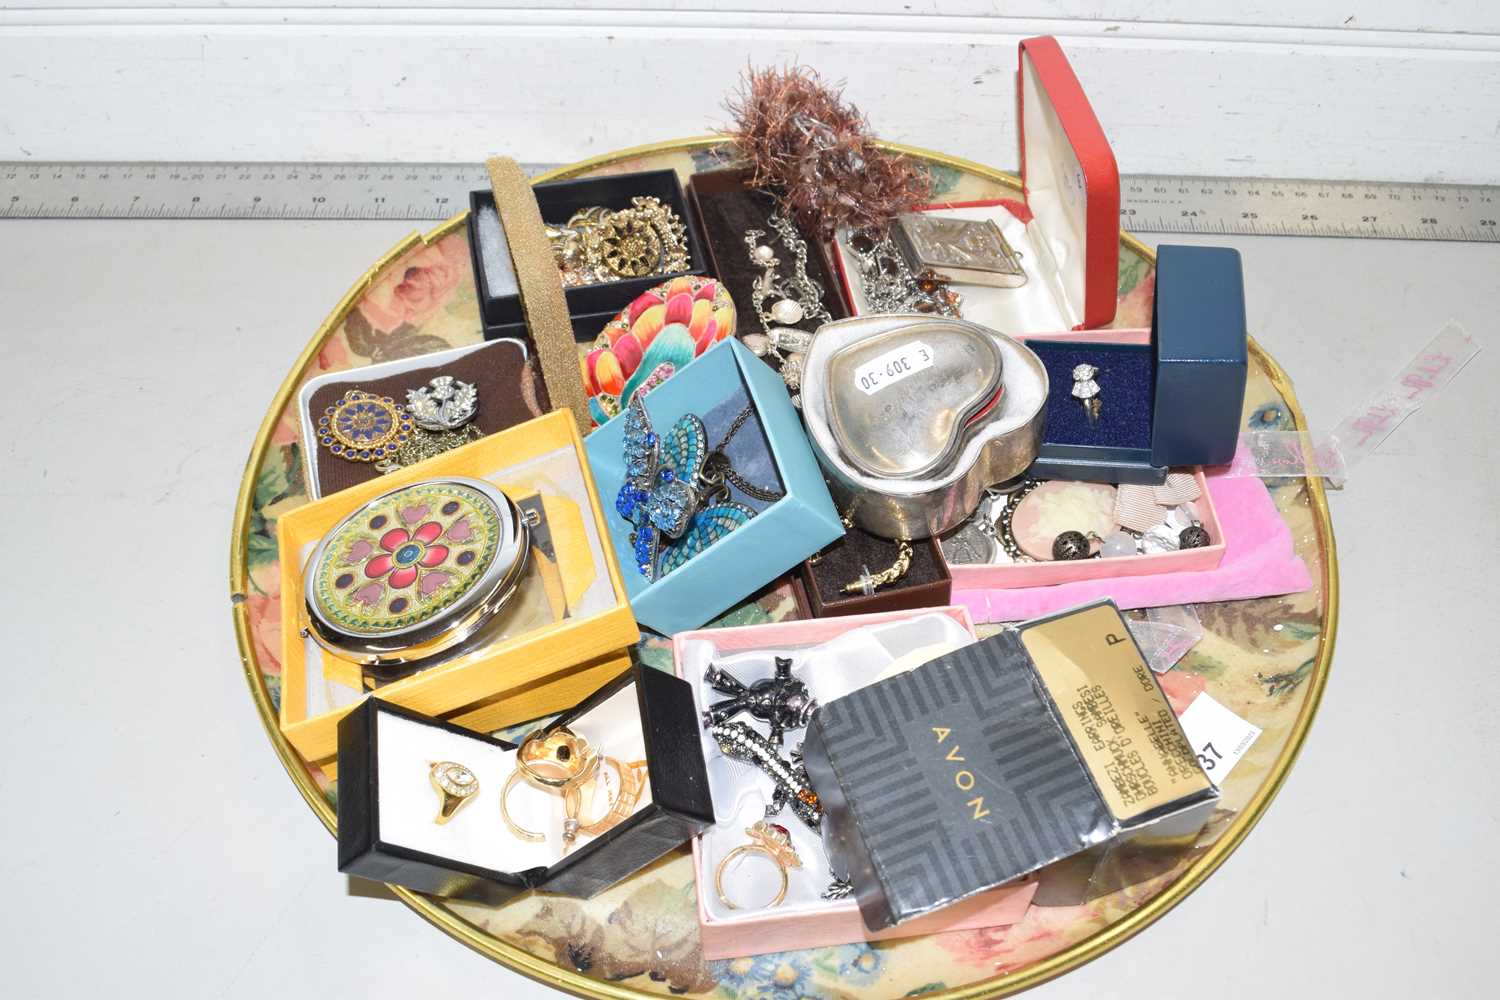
[890, 285]
[793, 301]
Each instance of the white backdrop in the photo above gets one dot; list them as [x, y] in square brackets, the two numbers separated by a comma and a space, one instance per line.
[1368, 89]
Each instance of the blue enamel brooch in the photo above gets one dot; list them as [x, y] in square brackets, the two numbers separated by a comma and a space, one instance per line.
[675, 494]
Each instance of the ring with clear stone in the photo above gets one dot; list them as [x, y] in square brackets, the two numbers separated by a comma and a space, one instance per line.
[1086, 390]
[455, 783]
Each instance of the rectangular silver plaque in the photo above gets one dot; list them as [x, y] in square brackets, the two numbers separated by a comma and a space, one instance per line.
[964, 251]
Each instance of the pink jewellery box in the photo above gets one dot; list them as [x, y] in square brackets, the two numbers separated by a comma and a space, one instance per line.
[810, 922]
[1005, 576]
[1002, 576]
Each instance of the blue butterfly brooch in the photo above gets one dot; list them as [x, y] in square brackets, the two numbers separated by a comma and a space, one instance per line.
[675, 495]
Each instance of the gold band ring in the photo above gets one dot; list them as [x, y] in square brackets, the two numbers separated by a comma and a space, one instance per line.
[571, 805]
[510, 824]
[771, 840]
[632, 781]
[558, 761]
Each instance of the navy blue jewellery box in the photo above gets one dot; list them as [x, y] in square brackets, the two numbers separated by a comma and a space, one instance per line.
[1176, 400]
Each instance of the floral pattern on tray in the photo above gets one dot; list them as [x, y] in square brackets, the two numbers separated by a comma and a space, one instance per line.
[1256, 657]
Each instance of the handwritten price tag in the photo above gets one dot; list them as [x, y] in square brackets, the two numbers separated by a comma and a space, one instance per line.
[1293, 453]
[1423, 378]
[891, 367]
[1218, 736]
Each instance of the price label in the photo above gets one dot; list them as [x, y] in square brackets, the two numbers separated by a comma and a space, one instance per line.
[1218, 736]
[891, 367]
[1423, 378]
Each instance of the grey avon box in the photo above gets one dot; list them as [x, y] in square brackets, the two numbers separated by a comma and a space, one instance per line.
[987, 763]
[949, 780]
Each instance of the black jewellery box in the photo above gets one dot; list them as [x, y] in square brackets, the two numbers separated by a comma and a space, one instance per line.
[589, 306]
[1170, 396]
[992, 761]
[387, 804]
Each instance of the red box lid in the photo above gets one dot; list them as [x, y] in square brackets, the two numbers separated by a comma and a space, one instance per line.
[1071, 182]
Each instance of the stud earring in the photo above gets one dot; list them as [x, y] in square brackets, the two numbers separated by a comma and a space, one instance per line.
[1194, 536]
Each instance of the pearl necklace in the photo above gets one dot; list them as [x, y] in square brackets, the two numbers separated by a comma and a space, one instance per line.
[792, 303]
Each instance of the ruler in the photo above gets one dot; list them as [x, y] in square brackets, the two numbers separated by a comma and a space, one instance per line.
[417, 191]
[1246, 206]
[434, 191]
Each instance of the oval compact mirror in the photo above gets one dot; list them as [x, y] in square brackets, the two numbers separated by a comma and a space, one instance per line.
[415, 574]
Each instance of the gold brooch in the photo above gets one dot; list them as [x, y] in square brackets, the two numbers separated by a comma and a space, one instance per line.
[363, 427]
[599, 244]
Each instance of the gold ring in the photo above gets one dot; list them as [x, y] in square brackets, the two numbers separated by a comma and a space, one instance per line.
[771, 840]
[557, 759]
[511, 824]
[455, 783]
[632, 780]
[571, 805]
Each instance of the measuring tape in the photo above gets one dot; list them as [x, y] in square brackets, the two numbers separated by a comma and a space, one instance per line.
[434, 191]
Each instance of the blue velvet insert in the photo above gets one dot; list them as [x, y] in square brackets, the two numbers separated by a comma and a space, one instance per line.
[1126, 389]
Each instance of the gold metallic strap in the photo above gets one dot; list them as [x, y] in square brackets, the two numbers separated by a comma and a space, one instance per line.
[542, 299]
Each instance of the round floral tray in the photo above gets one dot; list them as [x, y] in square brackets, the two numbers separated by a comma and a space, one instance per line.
[1267, 660]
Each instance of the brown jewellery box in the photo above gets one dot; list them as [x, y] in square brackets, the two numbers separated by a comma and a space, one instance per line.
[727, 208]
[506, 376]
[926, 584]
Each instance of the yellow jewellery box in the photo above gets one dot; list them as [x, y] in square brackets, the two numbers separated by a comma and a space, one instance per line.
[564, 627]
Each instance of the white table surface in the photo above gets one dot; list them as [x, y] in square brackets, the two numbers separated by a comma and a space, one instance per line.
[152, 845]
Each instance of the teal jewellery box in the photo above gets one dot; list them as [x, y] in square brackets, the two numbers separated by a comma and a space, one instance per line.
[766, 448]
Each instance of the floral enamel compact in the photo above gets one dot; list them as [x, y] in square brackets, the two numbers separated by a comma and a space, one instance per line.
[416, 574]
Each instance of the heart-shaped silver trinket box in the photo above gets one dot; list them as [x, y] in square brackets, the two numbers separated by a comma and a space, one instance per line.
[901, 404]
[887, 396]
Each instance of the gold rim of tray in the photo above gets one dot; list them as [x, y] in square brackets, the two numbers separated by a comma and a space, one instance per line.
[578, 984]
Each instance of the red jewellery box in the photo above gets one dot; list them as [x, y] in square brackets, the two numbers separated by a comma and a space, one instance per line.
[1067, 230]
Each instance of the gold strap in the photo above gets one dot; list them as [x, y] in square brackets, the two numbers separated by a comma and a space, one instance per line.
[542, 300]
